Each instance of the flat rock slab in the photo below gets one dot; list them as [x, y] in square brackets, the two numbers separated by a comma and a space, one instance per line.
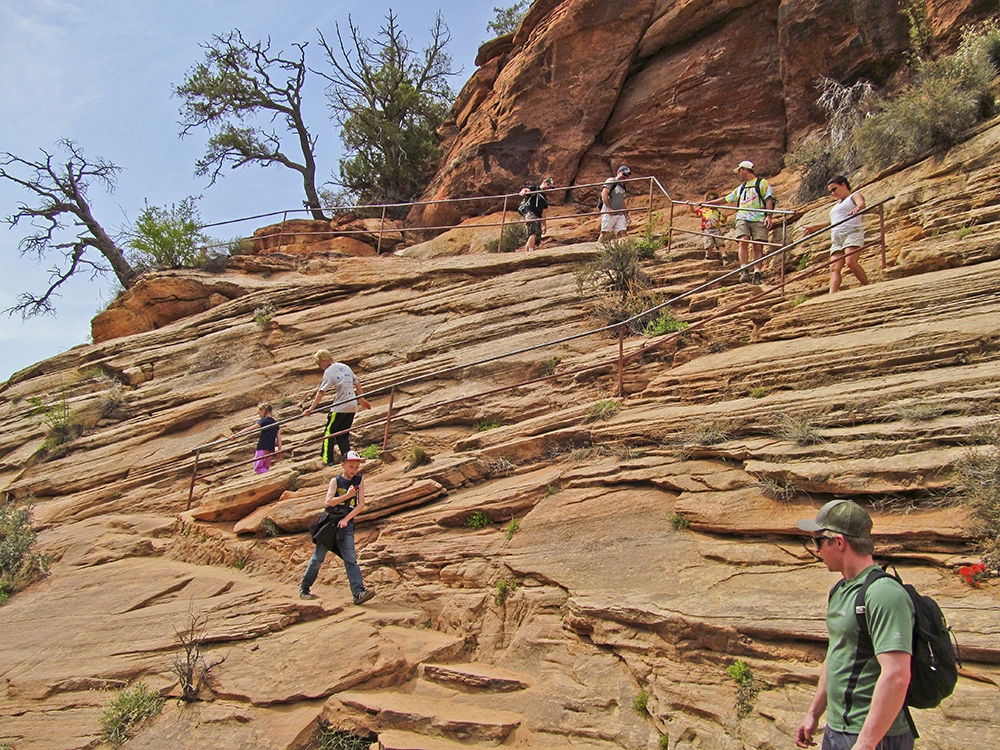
[393, 710]
[235, 500]
[395, 739]
[474, 676]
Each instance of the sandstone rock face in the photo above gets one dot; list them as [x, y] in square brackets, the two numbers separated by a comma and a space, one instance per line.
[553, 559]
[679, 89]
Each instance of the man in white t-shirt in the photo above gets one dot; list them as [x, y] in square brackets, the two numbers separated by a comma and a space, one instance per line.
[339, 378]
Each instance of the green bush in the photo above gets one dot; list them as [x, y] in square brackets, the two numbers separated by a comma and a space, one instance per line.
[168, 237]
[512, 526]
[617, 268]
[679, 522]
[503, 590]
[128, 708]
[758, 392]
[370, 452]
[339, 739]
[418, 457]
[477, 520]
[263, 314]
[977, 475]
[487, 424]
[514, 237]
[61, 423]
[664, 324]
[20, 564]
[746, 687]
[603, 410]
[641, 703]
[647, 243]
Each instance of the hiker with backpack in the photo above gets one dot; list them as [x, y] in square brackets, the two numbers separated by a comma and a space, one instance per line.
[753, 225]
[614, 215]
[889, 647]
[533, 205]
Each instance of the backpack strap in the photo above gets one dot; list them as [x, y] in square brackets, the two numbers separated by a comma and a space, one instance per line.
[866, 649]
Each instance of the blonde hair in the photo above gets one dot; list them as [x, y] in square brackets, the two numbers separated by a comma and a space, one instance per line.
[265, 406]
[321, 355]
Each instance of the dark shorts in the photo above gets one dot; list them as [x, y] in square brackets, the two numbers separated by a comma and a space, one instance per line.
[834, 740]
[534, 225]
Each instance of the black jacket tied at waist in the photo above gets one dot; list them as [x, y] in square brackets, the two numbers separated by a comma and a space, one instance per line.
[324, 530]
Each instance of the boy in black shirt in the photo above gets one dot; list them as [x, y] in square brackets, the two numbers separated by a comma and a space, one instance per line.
[345, 498]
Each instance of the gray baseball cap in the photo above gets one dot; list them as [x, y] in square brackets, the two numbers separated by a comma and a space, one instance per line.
[841, 517]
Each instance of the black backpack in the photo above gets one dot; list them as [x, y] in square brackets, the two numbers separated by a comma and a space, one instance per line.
[935, 660]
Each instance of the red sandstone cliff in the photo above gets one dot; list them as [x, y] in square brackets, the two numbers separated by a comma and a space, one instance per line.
[681, 89]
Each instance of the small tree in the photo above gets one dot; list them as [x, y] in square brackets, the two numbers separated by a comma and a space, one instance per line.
[508, 19]
[237, 80]
[168, 237]
[389, 102]
[62, 221]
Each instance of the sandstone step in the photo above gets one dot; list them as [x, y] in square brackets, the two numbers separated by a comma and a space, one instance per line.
[395, 739]
[475, 676]
[391, 710]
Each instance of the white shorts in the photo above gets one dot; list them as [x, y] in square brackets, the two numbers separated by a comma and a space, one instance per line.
[613, 223]
[844, 237]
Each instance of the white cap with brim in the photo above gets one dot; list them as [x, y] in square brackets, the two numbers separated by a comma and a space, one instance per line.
[745, 164]
[353, 456]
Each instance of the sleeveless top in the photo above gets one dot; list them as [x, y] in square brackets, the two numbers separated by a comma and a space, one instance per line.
[841, 211]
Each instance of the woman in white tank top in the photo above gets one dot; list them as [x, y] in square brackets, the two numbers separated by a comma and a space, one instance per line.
[847, 239]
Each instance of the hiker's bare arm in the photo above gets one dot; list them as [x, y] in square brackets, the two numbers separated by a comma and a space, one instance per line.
[315, 403]
[804, 734]
[360, 491]
[769, 203]
[361, 399]
[859, 203]
[887, 700]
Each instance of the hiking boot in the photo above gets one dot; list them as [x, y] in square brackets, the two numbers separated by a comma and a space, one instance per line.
[756, 278]
[744, 276]
[307, 595]
[364, 596]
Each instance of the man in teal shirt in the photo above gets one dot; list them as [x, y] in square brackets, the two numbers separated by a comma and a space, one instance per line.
[869, 715]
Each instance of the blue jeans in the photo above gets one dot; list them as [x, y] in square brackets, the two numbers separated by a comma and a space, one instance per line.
[345, 543]
[834, 740]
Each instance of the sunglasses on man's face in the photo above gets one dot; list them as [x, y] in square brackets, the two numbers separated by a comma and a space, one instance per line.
[818, 541]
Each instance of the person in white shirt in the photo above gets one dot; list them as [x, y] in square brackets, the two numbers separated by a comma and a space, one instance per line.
[847, 239]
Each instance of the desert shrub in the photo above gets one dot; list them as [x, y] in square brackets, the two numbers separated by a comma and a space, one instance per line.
[128, 708]
[746, 687]
[708, 433]
[780, 491]
[550, 490]
[758, 392]
[477, 520]
[616, 268]
[977, 477]
[665, 323]
[799, 430]
[339, 739]
[512, 526]
[189, 665]
[113, 399]
[269, 527]
[20, 564]
[641, 703]
[240, 246]
[504, 589]
[603, 410]
[61, 423]
[263, 314]
[610, 309]
[647, 243]
[370, 452]
[799, 300]
[418, 457]
[549, 366]
[679, 522]
[949, 96]
[500, 466]
[168, 237]
[514, 237]
[487, 424]
[212, 259]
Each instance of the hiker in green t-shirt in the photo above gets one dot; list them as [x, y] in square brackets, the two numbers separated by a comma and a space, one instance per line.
[864, 701]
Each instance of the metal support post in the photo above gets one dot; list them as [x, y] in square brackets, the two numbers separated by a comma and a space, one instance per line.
[388, 417]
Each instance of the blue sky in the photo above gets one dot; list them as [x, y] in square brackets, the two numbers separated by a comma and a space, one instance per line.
[101, 73]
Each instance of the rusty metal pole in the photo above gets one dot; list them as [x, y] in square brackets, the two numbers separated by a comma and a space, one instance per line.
[650, 218]
[503, 220]
[621, 360]
[670, 226]
[194, 475]
[281, 231]
[381, 230]
[881, 231]
[388, 417]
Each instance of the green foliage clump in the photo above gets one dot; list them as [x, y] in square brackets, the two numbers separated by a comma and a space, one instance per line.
[508, 19]
[978, 485]
[504, 589]
[61, 423]
[418, 457]
[477, 520]
[664, 324]
[550, 490]
[263, 314]
[514, 237]
[799, 300]
[370, 452]
[512, 526]
[617, 268]
[269, 527]
[603, 410]
[168, 237]
[20, 564]
[647, 243]
[679, 522]
[641, 703]
[128, 708]
[746, 687]
[549, 366]
[487, 424]
[758, 392]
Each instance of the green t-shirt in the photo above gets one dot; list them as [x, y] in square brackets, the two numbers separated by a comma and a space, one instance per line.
[890, 622]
